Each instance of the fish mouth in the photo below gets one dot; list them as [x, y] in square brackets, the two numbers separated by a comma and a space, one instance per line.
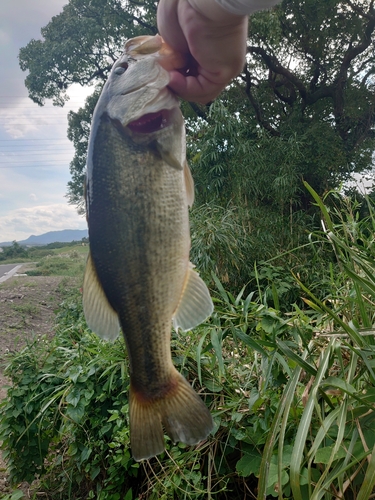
[151, 122]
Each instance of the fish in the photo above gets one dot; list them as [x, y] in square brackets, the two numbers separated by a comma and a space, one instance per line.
[138, 276]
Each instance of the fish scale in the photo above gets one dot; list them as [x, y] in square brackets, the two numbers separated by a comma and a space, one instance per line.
[138, 274]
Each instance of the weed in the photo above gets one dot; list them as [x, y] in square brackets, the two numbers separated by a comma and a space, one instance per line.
[291, 393]
[60, 265]
[28, 308]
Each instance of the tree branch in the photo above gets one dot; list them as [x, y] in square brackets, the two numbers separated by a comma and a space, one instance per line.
[256, 106]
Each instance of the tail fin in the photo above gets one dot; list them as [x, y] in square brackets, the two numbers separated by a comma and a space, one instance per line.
[182, 413]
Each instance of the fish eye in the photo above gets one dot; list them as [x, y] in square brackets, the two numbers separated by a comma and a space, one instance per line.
[121, 68]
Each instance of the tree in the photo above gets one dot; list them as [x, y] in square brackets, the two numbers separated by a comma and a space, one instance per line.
[310, 74]
[317, 69]
[14, 251]
[302, 109]
[81, 44]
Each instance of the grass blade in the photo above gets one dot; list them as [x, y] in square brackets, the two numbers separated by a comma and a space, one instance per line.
[304, 425]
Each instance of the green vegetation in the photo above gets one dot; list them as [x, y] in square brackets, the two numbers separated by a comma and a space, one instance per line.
[20, 254]
[286, 364]
[55, 259]
[14, 253]
[70, 263]
[30, 309]
[291, 390]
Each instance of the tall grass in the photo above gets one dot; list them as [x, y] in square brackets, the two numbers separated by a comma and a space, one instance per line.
[292, 393]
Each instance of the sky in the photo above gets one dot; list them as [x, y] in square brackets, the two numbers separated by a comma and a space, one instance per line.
[34, 149]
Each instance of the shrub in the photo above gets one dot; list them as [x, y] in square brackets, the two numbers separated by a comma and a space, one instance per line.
[292, 396]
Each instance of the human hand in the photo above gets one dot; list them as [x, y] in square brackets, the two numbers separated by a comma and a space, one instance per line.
[212, 39]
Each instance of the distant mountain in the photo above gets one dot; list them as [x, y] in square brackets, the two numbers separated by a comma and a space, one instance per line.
[64, 236]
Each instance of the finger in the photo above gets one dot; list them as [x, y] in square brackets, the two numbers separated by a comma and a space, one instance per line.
[195, 88]
[169, 26]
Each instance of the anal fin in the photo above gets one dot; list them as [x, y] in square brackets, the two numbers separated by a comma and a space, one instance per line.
[101, 318]
[195, 304]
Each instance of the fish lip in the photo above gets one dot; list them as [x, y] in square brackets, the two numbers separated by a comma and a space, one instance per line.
[150, 123]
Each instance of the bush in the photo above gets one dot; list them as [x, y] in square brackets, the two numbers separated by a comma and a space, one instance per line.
[13, 252]
[292, 396]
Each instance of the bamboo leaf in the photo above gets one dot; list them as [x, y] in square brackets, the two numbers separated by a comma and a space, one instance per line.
[304, 425]
[369, 481]
[283, 408]
[320, 204]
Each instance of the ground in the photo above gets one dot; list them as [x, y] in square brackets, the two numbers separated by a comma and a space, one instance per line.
[27, 309]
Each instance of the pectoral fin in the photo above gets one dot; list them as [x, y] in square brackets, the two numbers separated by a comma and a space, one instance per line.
[101, 318]
[195, 305]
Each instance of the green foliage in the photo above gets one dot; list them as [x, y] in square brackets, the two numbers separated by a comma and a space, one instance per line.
[250, 197]
[80, 45]
[292, 394]
[336, 422]
[303, 107]
[78, 132]
[16, 495]
[68, 388]
[64, 264]
[15, 251]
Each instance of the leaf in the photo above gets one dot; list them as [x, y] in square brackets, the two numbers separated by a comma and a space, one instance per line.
[320, 204]
[323, 455]
[74, 373]
[212, 385]
[114, 416]
[199, 356]
[85, 454]
[74, 396]
[369, 480]
[284, 406]
[295, 357]
[216, 344]
[249, 463]
[129, 495]
[304, 424]
[76, 412]
[339, 384]
[273, 477]
[220, 288]
[94, 471]
[16, 495]
[246, 339]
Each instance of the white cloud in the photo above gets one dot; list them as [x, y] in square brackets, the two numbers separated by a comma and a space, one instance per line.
[21, 223]
[34, 150]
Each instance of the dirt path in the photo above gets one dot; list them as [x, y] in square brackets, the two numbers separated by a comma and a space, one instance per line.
[27, 310]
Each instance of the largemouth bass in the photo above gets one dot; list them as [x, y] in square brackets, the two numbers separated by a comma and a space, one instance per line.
[138, 275]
